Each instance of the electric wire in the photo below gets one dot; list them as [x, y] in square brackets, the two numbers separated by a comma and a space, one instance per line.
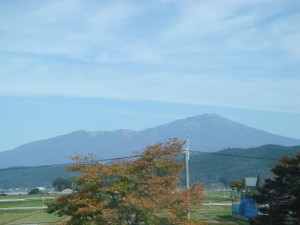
[137, 156]
[232, 155]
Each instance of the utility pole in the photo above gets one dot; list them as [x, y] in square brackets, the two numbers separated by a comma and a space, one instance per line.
[187, 176]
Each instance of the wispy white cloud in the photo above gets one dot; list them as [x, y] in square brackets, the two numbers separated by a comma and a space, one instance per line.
[72, 29]
[228, 53]
[236, 25]
[291, 47]
[277, 94]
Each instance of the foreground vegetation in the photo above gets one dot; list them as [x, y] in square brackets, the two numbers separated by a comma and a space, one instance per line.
[279, 198]
[131, 192]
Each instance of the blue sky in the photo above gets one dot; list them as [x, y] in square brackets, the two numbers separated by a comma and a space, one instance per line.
[67, 65]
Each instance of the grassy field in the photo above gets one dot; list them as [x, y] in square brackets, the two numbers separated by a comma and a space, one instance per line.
[26, 210]
[10, 217]
[12, 214]
[24, 201]
[216, 208]
[218, 196]
[216, 214]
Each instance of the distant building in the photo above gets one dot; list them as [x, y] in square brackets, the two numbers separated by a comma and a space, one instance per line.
[263, 177]
[250, 183]
[42, 189]
[248, 208]
[67, 191]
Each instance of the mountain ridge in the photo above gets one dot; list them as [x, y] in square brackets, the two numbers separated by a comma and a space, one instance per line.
[207, 132]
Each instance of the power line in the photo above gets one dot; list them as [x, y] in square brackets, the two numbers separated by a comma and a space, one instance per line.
[119, 158]
[232, 155]
[67, 164]
[137, 156]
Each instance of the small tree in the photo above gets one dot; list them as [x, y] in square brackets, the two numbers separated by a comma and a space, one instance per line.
[237, 184]
[35, 191]
[142, 191]
[279, 199]
[62, 183]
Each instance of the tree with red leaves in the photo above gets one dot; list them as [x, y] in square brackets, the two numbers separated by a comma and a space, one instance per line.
[133, 192]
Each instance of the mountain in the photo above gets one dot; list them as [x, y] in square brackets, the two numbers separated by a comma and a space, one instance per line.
[207, 132]
[217, 167]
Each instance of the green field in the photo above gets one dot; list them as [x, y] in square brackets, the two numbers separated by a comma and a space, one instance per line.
[216, 208]
[217, 214]
[10, 217]
[26, 210]
[18, 210]
[218, 196]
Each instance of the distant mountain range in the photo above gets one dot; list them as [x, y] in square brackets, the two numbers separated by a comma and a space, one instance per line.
[207, 132]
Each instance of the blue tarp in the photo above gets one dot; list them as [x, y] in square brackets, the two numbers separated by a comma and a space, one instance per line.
[248, 207]
[235, 208]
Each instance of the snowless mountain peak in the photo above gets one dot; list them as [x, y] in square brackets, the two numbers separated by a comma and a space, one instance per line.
[207, 132]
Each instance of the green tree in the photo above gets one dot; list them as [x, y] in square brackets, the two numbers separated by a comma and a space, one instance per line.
[279, 199]
[62, 183]
[237, 184]
[141, 191]
[35, 191]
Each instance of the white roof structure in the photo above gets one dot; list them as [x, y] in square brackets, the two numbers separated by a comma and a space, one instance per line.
[250, 181]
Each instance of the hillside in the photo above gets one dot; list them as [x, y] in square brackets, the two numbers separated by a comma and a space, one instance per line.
[31, 177]
[207, 132]
[226, 165]
[221, 166]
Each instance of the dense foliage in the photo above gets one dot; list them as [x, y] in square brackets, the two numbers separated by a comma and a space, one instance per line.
[279, 199]
[237, 184]
[141, 191]
[61, 183]
[35, 191]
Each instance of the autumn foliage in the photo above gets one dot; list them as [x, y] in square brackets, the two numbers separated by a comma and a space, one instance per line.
[139, 191]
